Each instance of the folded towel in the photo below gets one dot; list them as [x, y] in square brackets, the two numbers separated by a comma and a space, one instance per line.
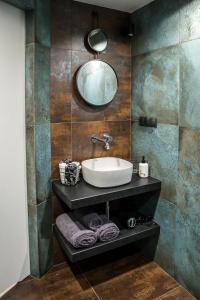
[92, 221]
[105, 229]
[108, 231]
[75, 233]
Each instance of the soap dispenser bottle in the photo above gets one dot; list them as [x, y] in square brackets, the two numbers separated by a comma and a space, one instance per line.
[143, 168]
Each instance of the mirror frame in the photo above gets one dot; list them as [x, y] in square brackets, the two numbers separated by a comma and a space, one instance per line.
[89, 103]
[88, 39]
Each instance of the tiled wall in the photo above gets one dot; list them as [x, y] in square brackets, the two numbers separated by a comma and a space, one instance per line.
[166, 71]
[72, 120]
[38, 143]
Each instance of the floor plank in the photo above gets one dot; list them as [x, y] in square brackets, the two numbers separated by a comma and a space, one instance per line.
[128, 278]
[178, 293]
[107, 277]
[62, 282]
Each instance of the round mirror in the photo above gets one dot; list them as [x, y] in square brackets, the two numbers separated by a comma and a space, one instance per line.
[97, 40]
[97, 82]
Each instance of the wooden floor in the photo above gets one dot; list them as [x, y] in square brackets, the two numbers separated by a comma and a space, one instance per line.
[111, 278]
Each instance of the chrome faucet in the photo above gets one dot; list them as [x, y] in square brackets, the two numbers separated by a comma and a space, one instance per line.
[107, 139]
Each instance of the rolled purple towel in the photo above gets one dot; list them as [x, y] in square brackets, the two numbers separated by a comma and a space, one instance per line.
[108, 231]
[92, 221]
[105, 229]
[75, 233]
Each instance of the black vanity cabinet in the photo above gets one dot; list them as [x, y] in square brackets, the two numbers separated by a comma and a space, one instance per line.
[138, 193]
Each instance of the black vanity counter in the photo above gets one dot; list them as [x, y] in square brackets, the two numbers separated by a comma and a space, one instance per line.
[84, 194]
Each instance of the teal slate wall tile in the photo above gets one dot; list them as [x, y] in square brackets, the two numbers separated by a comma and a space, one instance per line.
[22, 4]
[43, 162]
[38, 153]
[30, 165]
[156, 26]
[38, 144]
[189, 171]
[160, 146]
[42, 22]
[37, 84]
[189, 20]
[156, 85]
[165, 216]
[30, 26]
[33, 240]
[45, 235]
[187, 245]
[189, 84]
[42, 84]
[40, 238]
[173, 153]
[29, 86]
[38, 24]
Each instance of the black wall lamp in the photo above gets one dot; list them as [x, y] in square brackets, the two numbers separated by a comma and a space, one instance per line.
[130, 28]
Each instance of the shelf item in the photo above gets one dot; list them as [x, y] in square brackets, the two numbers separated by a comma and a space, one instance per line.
[83, 194]
[126, 237]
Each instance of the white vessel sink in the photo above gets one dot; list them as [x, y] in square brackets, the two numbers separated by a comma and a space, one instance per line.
[107, 171]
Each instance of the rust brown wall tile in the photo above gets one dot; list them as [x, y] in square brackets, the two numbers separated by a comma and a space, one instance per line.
[61, 24]
[73, 121]
[120, 108]
[119, 42]
[82, 112]
[78, 38]
[113, 22]
[66, 104]
[60, 85]
[58, 207]
[81, 14]
[82, 147]
[60, 145]
[81, 24]
[78, 59]
[116, 29]
[120, 63]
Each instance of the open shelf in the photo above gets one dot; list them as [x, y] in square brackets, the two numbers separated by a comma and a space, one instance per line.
[84, 194]
[126, 236]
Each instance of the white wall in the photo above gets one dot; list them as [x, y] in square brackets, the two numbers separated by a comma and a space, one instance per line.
[14, 251]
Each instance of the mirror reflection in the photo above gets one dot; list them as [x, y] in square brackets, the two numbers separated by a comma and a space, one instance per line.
[97, 40]
[97, 82]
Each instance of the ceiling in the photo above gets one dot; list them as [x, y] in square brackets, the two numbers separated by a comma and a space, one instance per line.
[123, 5]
